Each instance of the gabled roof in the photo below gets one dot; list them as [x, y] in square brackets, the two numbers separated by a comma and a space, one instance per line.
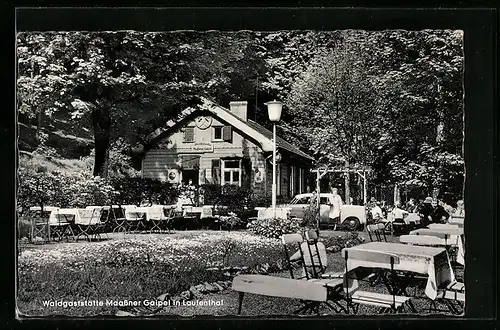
[250, 128]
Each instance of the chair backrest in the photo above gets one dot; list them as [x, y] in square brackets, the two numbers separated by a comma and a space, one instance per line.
[88, 217]
[312, 234]
[291, 238]
[422, 240]
[156, 212]
[377, 230]
[288, 239]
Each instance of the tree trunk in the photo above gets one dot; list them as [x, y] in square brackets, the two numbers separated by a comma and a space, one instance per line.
[101, 125]
[347, 183]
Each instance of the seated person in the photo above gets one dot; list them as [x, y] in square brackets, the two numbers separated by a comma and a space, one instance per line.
[398, 215]
[377, 214]
[460, 210]
[438, 214]
[313, 254]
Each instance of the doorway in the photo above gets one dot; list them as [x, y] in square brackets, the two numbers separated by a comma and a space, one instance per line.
[192, 175]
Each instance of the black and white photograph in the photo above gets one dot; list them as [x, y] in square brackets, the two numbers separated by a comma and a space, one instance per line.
[246, 172]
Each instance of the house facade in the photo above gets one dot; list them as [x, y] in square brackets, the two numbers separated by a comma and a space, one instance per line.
[212, 144]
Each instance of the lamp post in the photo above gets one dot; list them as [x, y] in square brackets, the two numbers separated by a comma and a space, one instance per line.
[274, 111]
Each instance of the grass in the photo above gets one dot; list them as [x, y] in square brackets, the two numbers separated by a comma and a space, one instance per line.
[131, 267]
[144, 266]
[51, 164]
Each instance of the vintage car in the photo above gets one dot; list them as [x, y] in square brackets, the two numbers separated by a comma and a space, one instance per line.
[352, 217]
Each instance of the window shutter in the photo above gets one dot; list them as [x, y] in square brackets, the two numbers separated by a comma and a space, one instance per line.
[189, 134]
[227, 133]
[216, 171]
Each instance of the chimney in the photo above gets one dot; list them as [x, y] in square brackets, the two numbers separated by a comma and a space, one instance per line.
[239, 108]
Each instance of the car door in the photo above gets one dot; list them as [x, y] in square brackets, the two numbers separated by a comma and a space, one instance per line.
[324, 208]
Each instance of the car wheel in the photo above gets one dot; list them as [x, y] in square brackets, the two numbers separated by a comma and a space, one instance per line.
[352, 223]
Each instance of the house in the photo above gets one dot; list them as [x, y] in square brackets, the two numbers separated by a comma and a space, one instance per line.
[212, 144]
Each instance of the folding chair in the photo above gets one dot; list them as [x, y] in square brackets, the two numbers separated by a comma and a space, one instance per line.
[160, 216]
[386, 302]
[334, 286]
[376, 231]
[134, 220]
[120, 222]
[60, 225]
[40, 224]
[454, 300]
[313, 235]
[88, 221]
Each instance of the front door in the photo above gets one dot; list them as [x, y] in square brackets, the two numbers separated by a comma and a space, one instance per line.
[192, 175]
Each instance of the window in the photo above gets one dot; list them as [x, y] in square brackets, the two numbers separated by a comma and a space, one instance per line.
[189, 134]
[217, 133]
[231, 172]
[222, 133]
[303, 200]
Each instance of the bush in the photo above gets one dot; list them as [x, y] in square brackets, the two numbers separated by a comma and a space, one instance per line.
[226, 199]
[274, 228]
[134, 190]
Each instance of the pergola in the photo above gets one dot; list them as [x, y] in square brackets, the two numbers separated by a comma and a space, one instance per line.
[362, 171]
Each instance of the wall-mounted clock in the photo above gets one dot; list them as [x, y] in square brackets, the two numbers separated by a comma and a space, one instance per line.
[203, 122]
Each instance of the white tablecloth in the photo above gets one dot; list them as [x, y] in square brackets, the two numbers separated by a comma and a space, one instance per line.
[430, 261]
[455, 234]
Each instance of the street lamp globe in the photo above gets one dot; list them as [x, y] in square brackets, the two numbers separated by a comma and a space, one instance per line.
[274, 110]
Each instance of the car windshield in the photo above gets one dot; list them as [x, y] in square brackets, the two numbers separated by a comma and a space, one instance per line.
[301, 200]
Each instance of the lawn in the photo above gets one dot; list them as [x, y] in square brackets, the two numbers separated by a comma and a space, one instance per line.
[139, 267]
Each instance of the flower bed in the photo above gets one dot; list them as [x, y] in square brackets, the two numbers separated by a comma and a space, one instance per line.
[133, 269]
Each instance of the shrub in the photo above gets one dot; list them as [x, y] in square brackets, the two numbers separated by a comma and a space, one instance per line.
[226, 199]
[274, 228]
[134, 189]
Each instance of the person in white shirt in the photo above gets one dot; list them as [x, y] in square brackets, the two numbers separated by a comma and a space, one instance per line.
[335, 206]
[398, 218]
[460, 210]
[377, 214]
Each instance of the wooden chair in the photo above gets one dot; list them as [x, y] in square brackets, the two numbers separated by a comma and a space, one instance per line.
[454, 300]
[386, 302]
[313, 235]
[40, 224]
[376, 232]
[334, 285]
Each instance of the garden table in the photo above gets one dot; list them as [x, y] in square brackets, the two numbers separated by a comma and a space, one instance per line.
[455, 237]
[430, 261]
